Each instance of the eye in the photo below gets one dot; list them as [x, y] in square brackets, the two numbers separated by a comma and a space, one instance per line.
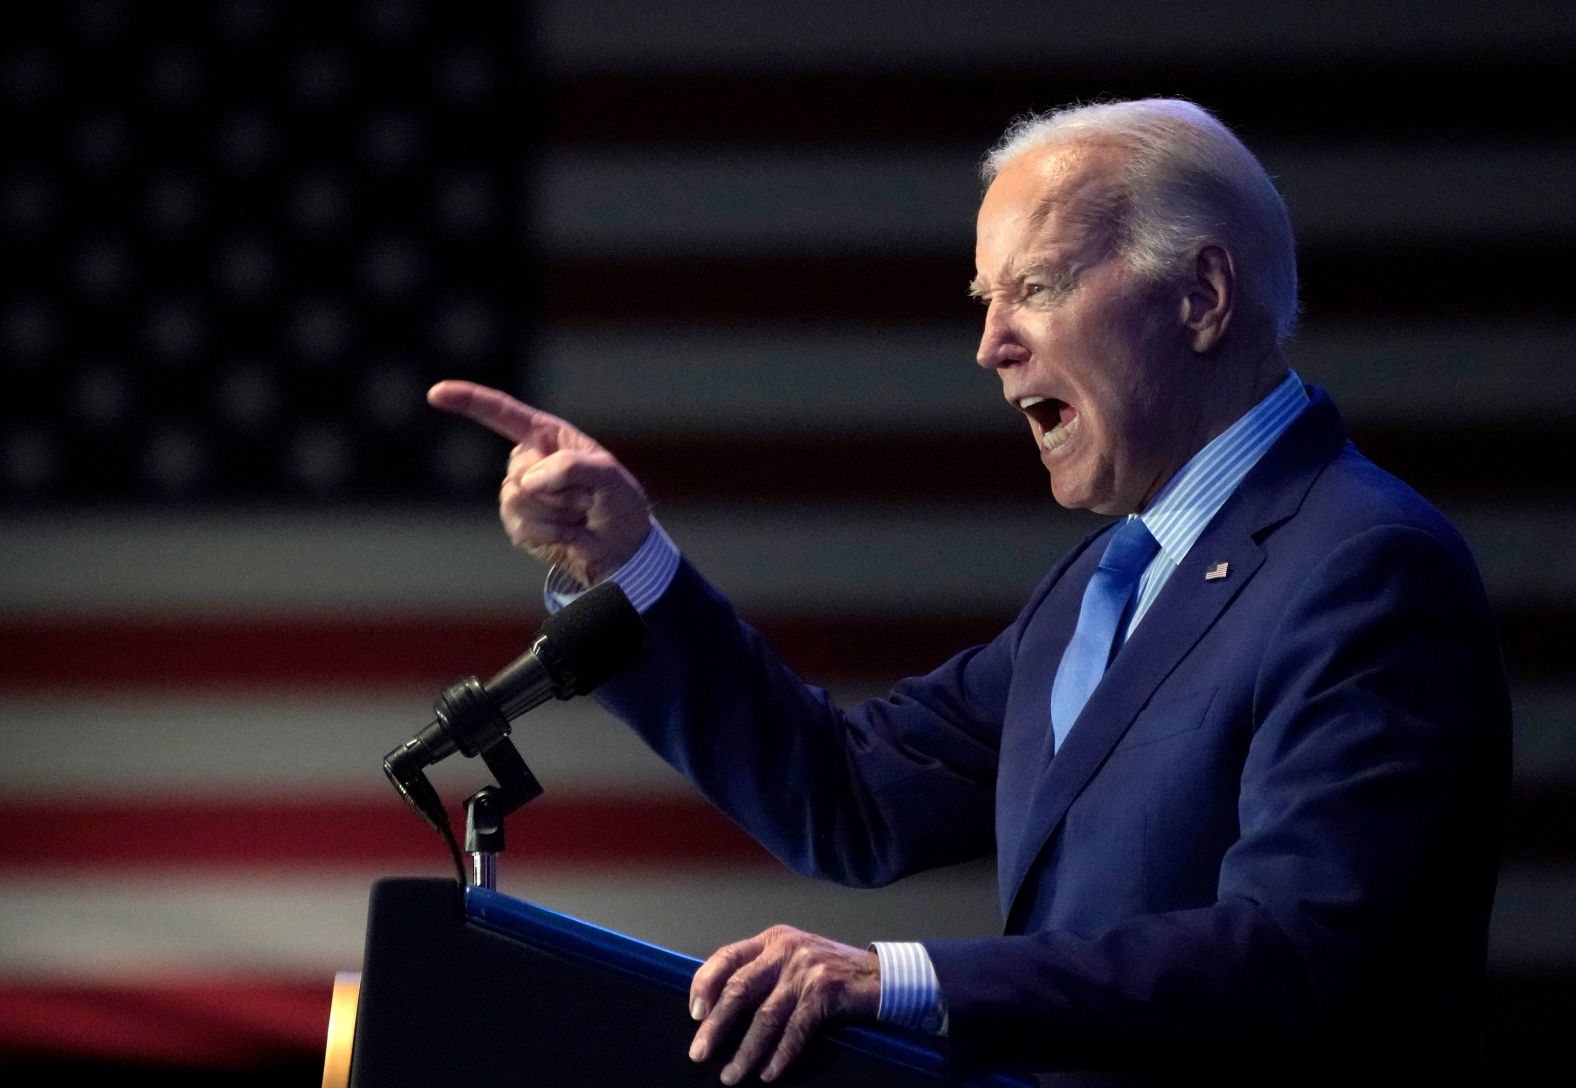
[1049, 290]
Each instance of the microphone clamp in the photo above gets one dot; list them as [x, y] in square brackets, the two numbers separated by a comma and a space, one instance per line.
[466, 720]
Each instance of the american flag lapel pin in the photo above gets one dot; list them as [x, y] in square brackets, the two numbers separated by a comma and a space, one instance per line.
[1217, 572]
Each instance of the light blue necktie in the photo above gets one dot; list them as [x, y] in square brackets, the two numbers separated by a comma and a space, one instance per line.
[1105, 602]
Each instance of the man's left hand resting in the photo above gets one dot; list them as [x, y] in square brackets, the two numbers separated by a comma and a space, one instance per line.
[793, 981]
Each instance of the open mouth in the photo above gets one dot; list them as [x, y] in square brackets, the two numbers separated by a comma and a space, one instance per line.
[1056, 419]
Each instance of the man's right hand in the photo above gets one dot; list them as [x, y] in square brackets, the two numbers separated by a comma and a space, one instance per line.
[565, 500]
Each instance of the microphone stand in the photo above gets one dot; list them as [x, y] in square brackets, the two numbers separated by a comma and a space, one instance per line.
[592, 638]
[478, 727]
[486, 808]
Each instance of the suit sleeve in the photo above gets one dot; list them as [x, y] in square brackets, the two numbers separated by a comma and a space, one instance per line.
[1369, 809]
[862, 796]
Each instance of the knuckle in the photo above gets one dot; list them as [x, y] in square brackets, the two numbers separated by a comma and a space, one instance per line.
[723, 957]
[805, 959]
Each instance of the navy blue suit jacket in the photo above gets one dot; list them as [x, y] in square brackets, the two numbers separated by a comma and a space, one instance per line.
[1267, 849]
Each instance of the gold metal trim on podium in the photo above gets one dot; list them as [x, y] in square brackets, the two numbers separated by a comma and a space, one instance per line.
[341, 1029]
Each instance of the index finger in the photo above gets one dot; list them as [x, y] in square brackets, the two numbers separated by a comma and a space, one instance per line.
[498, 412]
[721, 966]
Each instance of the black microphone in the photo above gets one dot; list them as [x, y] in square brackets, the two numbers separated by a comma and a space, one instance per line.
[589, 640]
[577, 648]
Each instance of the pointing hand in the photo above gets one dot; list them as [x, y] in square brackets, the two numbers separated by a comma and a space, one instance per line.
[564, 500]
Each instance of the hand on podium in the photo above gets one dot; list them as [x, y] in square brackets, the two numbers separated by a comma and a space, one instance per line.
[794, 982]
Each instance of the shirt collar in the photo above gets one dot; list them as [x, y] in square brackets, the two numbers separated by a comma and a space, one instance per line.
[1188, 502]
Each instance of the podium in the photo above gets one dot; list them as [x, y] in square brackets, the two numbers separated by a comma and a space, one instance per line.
[473, 987]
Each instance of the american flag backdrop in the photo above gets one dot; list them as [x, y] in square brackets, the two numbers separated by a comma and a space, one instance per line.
[239, 556]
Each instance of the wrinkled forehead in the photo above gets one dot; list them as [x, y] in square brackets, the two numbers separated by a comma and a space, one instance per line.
[1070, 190]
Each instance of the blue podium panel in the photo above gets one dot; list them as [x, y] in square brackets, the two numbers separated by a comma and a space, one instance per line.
[481, 989]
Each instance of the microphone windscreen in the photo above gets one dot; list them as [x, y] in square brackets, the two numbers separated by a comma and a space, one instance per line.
[592, 638]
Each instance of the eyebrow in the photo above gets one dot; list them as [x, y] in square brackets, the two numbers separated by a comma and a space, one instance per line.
[1059, 275]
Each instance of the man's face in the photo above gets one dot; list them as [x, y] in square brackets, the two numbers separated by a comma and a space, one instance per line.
[1090, 351]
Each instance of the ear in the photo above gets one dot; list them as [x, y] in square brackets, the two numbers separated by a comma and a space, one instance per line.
[1210, 299]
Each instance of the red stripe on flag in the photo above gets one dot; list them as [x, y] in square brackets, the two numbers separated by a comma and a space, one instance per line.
[151, 833]
[210, 1023]
[100, 653]
[119, 653]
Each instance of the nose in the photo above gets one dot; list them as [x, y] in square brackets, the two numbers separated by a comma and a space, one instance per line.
[999, 343]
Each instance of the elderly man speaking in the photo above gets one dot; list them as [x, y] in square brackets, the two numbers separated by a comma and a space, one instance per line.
[1242, 758]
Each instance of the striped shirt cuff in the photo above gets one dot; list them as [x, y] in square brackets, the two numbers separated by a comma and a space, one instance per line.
[643, 579]
[910, 992]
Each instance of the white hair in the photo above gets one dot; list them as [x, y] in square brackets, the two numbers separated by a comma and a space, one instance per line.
[1188, 181]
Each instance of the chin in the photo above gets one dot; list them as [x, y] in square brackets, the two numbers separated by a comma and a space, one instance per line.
[1084, 499]
[1069, 498]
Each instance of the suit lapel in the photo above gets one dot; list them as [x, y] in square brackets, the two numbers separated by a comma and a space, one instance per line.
[1185, 609]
